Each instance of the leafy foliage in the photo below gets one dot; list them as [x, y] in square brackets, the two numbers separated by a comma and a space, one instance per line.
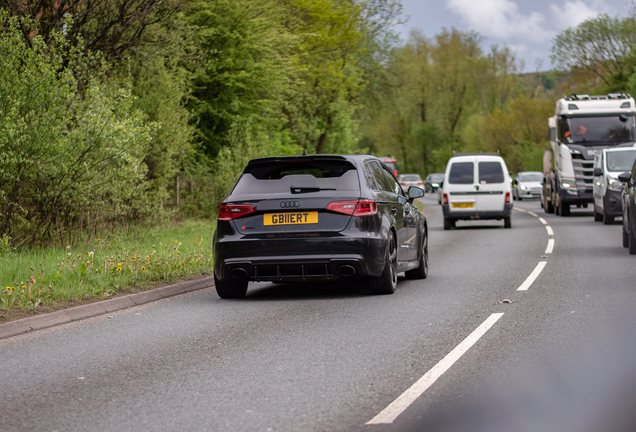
[64, 160]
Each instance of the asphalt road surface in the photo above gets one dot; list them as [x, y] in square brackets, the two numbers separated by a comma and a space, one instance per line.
[510, 332]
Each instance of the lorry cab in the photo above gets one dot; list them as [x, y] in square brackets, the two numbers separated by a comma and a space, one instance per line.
[608, 164]
[476, 186]
[582, 126]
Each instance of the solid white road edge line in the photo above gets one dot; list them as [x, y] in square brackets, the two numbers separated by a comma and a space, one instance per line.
[548, 250]
[535, 274]
[397, 407]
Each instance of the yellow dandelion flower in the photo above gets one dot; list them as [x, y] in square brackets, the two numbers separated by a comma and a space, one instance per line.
[118, 269]
[143, 269]
[119, 264]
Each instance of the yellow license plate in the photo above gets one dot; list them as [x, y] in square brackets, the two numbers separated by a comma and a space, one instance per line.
[464, 205]
[295, 218]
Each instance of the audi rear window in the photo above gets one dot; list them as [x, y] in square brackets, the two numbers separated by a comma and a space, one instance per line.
[461, 173]
[298, 177]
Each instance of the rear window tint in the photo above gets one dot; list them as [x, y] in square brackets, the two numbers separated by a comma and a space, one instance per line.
[461, 173]
[490, 172]
[279, 177]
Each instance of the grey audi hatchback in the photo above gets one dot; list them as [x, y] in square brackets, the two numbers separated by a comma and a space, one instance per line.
[319, 218]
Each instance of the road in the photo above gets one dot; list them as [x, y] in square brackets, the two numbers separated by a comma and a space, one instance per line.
[290, 357]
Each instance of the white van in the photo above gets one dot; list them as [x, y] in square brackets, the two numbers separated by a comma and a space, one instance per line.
[608, 164]
[476, 186]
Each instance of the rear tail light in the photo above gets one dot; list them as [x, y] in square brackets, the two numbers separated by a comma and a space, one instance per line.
[445, 199]
[229, 212]
[354, 208]
[508, 201]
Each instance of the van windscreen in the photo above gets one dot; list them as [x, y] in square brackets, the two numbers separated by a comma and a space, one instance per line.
[490, 172]
[461, 173]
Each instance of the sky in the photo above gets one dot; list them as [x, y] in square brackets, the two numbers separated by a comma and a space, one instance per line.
[527, 27]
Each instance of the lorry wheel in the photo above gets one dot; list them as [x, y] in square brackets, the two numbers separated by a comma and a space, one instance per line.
[565, 210]
[597, 216]
[547, 206]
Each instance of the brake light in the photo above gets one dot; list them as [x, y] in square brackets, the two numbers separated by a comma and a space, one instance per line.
[445, 199]
[354, 208]
[229, 212]
[508, 201]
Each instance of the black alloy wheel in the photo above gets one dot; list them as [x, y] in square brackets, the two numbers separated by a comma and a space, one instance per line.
[421, 272]
[230, 288]
[607, 219]
[386, 283]
[625, 237]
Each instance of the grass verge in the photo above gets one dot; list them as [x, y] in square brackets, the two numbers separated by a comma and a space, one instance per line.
[43, 280]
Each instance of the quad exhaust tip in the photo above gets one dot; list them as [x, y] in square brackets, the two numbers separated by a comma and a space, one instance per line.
[346, 270]
[238, 273]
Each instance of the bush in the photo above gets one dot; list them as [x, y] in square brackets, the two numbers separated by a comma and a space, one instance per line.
[70, 161]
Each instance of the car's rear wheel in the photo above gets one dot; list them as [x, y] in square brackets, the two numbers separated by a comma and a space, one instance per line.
[230, 288]
[448, 223]
[625, 237]
[387, 281]
[607, 219]
[421, 272]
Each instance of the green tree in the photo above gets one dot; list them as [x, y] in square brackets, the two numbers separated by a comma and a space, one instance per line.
[599, 48]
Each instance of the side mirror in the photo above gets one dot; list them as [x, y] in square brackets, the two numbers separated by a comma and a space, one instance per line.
[624, 177]
[415, 192]
[598, 172]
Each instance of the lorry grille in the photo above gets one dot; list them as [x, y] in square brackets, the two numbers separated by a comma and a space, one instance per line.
[584, 175]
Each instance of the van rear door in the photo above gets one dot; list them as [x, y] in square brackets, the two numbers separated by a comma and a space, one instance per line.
[460, 186]
[491, 187]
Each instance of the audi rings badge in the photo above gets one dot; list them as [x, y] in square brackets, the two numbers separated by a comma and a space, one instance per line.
[289, 204]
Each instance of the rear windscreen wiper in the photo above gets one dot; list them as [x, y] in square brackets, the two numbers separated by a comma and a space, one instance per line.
[303, 189]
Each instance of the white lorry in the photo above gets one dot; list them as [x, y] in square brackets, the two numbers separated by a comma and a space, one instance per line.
[582, 126]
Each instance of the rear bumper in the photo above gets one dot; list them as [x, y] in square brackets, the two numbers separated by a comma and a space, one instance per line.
[323, 258]
[470, 215]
